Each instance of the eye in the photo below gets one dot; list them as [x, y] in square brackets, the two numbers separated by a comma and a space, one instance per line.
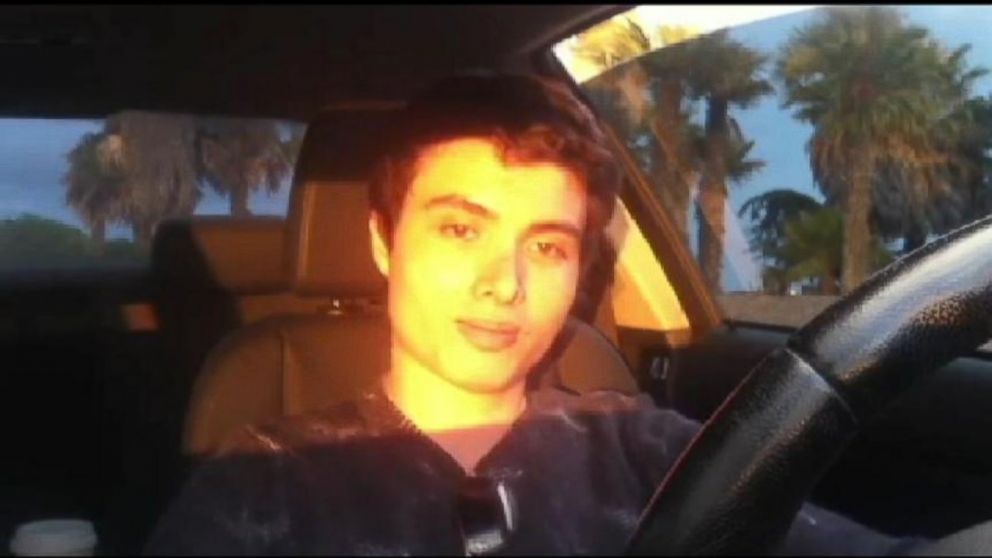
[459, 230]
[551, 250]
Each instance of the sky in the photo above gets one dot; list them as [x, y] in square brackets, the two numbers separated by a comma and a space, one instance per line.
[33, 151]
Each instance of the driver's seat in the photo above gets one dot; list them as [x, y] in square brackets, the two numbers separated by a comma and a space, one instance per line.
[292, 363]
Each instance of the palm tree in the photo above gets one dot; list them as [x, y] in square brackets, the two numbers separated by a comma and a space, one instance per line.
[725, 74]
[811, 249]
[94, 186]
[968, 173]
[911, 200]
[800, 239]
[238, 157]
[144, 167]
[769, 213]
[155, 154]
[658, 86]
[613, 43]
[651, 84]
[975, 149]
[875, 90]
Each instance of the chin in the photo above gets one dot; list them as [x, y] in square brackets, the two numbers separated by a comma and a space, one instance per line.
[484, 380]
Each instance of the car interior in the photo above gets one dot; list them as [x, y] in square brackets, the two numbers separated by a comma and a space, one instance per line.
[116, 382]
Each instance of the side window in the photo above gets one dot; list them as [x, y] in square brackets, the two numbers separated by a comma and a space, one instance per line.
[78, 194]
[799, 149]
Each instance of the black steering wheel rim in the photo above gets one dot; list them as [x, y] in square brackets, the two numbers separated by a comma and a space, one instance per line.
[739, 484]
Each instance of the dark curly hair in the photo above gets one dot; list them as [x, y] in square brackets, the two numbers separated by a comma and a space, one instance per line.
[530, 119]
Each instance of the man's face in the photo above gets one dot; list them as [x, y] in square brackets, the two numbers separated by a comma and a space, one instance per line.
[484, 264]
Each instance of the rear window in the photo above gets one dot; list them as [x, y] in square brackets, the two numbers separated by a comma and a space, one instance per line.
[84, 194]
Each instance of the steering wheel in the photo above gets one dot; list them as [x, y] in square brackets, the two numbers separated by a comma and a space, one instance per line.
[741, 481]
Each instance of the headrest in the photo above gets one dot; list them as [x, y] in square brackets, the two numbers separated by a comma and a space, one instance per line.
[327, 237]
[242, 255]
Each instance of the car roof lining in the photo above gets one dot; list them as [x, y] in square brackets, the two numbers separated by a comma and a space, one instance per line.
[268, 61]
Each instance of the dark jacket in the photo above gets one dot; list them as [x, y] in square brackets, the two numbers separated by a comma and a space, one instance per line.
[359, 479]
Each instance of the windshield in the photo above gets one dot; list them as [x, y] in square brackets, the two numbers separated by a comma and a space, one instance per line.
[798, 149]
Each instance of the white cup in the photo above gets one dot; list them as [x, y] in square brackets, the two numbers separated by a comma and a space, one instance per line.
[54, 537]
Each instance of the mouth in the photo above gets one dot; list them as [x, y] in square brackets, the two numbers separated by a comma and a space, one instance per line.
[489, 336]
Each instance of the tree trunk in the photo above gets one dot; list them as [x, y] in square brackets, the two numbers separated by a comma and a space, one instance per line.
[142, 234]
[914, 238]
[98, 234]
[713, 195]
[668, 129]
[239, 202]
[857, 235]
[829, 285]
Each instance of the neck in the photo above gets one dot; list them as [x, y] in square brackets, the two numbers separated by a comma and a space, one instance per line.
[436, 405]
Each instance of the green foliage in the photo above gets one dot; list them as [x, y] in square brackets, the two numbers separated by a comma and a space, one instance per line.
[32, 242]
[971, 171]
[811, 248]
[884, 98]
[613, 42]
[800, 240]
[769, 213]
[725, 69]
[881, 95]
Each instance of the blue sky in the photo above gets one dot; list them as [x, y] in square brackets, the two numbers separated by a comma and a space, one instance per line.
[32, 151]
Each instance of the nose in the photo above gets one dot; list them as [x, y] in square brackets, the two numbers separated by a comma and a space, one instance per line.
[502, 278]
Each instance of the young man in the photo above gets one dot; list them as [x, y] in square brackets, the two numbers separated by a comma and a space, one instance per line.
[489, 209]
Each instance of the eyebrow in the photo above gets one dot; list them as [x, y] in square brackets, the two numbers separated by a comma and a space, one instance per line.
[561, 227]
[460, 202]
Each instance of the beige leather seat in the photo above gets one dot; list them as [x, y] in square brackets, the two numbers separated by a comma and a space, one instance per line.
[221, 253]
[293, 363]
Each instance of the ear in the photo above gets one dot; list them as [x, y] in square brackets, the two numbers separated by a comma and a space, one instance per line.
[380, 253]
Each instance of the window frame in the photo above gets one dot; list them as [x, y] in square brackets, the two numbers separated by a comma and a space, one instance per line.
[699, 303]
